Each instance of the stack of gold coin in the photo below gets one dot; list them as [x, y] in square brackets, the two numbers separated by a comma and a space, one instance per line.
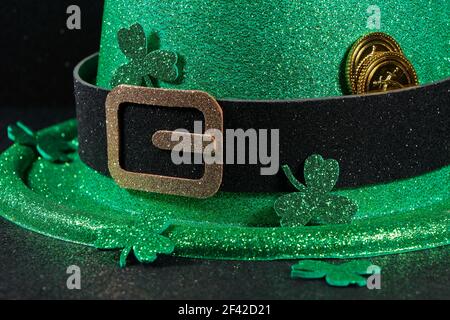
[376, 63]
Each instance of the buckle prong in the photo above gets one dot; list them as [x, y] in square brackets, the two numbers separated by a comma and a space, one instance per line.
[163, 140]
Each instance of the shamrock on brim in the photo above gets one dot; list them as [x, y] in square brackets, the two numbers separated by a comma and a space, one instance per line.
[340, 275]
[314, 203]
[50, 147]
[144, 239]
[143, 65]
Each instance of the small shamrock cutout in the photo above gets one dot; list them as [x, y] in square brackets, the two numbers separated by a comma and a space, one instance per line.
[56, 150]
[340, 275]
[314, 203]
[144, 239]
[143, 64]
[50, 147]
[22, 135]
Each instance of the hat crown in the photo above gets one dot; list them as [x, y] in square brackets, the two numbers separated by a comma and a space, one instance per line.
[269, 49]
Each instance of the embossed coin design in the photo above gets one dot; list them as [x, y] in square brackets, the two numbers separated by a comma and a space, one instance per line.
[364, 48]
[386, 71]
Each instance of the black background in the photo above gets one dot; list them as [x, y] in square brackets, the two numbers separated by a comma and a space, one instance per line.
[38, 52]
[37, 55]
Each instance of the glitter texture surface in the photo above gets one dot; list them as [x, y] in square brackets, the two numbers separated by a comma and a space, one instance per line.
[145, 65]
[72, 202]
[143, 239]
[282, 49]
[313, 202]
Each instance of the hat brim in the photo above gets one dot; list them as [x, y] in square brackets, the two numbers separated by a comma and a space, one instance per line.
[72, 202]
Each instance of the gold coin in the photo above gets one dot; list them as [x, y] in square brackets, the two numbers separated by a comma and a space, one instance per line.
[365, 47]
[384, 72]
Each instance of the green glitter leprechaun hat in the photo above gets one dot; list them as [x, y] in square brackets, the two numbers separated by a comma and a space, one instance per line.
[305, 135]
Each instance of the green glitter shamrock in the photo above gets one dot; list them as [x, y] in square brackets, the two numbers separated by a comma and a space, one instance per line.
[340, 275]
[143, 238]
[50, 147]
[144, 64]
[313, 203]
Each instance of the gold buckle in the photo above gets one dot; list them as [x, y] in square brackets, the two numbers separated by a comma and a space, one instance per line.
[204, 187]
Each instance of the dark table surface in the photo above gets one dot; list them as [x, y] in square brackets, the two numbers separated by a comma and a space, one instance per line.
[34, 266]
